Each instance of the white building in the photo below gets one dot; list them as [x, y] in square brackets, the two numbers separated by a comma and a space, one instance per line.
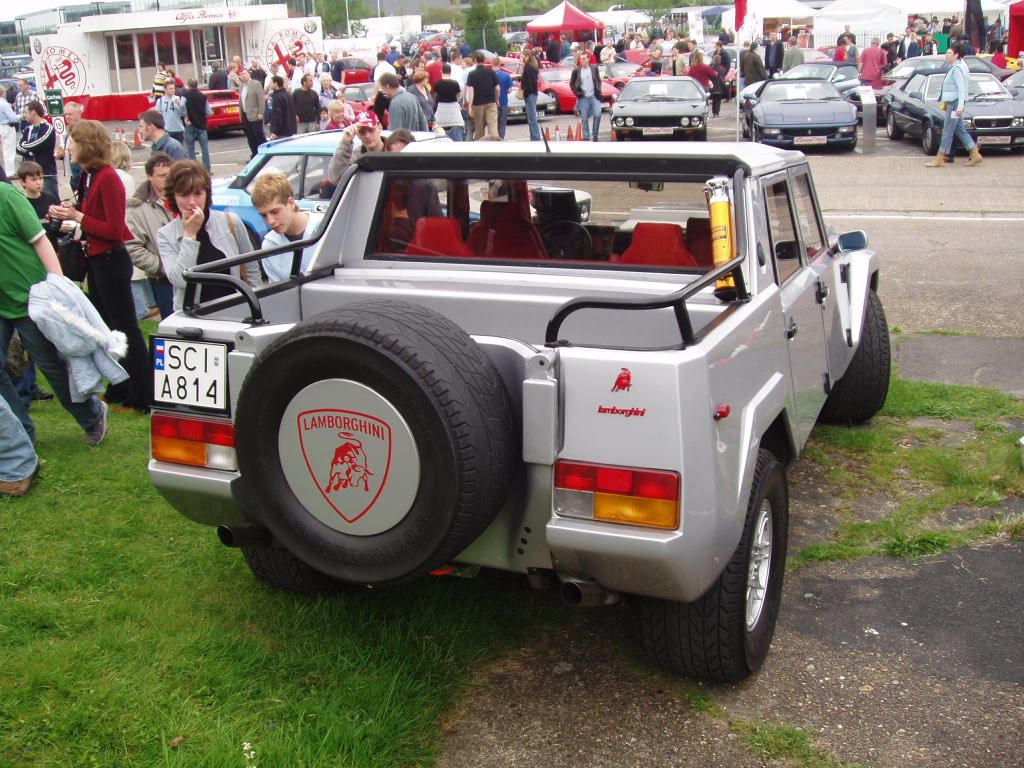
[107, 62]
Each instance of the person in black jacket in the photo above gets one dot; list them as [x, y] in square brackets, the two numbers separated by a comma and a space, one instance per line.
[774, 51]
[37, 144]
[197, 109]
[282, 111]
[529, 82]
[218, 79]
[307, 106]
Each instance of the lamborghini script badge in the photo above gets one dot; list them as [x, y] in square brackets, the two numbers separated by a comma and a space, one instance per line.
[348, 455]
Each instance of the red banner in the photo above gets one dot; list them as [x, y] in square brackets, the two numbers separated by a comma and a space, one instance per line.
[741, 13]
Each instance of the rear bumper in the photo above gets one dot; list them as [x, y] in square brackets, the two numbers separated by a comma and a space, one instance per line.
[202, 495]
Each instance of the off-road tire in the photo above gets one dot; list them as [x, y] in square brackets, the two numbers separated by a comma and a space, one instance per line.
[892, 128]
[448, 392]
[708, 639]
[280, 569]
[862, 390]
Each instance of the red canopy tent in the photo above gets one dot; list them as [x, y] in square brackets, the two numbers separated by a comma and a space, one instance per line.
[1016, 29]
[565, 19]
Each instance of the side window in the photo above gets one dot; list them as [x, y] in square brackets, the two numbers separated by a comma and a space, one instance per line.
[783, 234]
[289, 165]
[806, 215]
[315, 185]
[915, 86]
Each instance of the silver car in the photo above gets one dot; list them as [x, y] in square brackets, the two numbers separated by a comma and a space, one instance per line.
[661, 107]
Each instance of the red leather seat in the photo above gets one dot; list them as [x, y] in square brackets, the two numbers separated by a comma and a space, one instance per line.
[438, 236]
[506, 232]
[658, 245]
[698, 240]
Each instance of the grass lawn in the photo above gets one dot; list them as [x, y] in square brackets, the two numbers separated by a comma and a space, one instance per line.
[124, 627]
[130, 637]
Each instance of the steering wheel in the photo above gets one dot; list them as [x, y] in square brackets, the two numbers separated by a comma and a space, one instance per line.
[567, 240]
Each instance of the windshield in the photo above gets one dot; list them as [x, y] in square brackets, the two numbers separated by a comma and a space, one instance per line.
[555, 75]
[804, 91]
[979, 86]
[809, 72]
[655, 89]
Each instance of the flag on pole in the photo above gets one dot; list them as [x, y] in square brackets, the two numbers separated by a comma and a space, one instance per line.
[741, 13]
[974, 25]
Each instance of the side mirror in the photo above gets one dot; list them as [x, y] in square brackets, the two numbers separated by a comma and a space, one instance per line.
[857, 240]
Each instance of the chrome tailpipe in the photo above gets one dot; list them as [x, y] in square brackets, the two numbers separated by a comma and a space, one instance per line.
[249, 536]
[587, 594]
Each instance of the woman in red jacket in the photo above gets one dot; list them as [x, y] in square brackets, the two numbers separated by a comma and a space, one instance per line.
[101, 215]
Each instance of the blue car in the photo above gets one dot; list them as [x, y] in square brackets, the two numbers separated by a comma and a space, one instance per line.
[303, 159]
[796, 114]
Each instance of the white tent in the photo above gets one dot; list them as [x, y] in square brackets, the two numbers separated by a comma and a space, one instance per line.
[759, 10]
[943, 8]
[867, 19]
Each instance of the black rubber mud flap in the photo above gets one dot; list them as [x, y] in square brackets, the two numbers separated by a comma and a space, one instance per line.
[376, 441]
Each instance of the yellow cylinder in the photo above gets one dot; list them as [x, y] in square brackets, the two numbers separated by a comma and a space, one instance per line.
[722, 242]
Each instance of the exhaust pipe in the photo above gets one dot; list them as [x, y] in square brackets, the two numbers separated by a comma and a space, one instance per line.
[244, 536]
[587, 594]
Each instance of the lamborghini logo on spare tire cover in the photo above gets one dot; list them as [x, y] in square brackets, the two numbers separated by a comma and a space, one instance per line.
[348, 455]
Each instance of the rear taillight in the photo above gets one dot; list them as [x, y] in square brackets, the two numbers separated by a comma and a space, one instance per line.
[647, 497]
[196, 442]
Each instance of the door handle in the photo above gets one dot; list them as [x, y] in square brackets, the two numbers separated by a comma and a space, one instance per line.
[792, 328]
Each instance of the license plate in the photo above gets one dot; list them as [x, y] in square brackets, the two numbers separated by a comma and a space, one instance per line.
[658, 131]
[993, 139]
[232, 110]
[810, 139]
[190, 373]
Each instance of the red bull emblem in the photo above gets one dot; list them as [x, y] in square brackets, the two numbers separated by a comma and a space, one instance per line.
[623, 382]
[348, 455]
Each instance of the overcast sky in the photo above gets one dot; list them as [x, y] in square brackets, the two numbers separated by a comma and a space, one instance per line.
[11, 8]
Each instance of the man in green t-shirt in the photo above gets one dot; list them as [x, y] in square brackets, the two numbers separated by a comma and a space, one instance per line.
[26, 255]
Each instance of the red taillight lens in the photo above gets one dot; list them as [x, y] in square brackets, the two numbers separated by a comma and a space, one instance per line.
[648, 497]
[196, 442]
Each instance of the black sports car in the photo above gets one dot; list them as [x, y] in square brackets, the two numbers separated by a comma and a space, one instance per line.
[843, 75]
[991, 115]
[662, 107]
[798, 114]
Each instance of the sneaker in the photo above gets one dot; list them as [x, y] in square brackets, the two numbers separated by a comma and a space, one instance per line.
[95, 435]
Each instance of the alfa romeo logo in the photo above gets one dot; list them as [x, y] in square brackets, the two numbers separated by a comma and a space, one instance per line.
[64, 69]
[348, 455]
[286, 44]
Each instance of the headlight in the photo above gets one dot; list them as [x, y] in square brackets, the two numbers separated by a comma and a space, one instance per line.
[695, 121]
[968, 122]
[684, 121]
[847, 128]
[618, 121]
[629, 121]
[770, 131]
[1018, 122]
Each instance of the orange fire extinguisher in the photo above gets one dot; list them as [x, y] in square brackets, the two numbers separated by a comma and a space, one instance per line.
[723, 244]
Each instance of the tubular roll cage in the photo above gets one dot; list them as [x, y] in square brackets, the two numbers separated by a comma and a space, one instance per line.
[211, 274]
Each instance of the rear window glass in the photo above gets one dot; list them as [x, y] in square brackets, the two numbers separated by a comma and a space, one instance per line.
[588, 224]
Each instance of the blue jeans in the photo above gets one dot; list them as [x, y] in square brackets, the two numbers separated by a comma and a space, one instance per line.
[18, 458]
[191, 134]
[163, 294]
[49, 361]
[26, 385]
[455, 132]
[142, 295]
[590, 108]
[952, 125]
[531, 117]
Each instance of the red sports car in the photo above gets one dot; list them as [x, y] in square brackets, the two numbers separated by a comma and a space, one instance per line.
[355, 70]
[360, 97]
[227, 114]
[555, 82]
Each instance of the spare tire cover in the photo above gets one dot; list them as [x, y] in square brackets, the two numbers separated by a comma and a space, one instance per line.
[375, 442]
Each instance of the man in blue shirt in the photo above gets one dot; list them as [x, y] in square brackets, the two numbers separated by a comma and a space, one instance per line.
[505, 81]
[173, 108]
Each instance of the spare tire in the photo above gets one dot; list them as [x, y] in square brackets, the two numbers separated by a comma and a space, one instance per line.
[376, 442]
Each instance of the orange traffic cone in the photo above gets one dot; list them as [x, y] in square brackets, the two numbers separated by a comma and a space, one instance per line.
[138, 139]
[558, 133]
[547, 134]
[579, 132]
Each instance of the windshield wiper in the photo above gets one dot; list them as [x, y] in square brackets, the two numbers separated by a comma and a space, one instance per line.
[638, 98]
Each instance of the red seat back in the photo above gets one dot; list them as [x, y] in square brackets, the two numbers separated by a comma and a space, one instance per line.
[698, 240]
[438, 236]
[658, 245]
